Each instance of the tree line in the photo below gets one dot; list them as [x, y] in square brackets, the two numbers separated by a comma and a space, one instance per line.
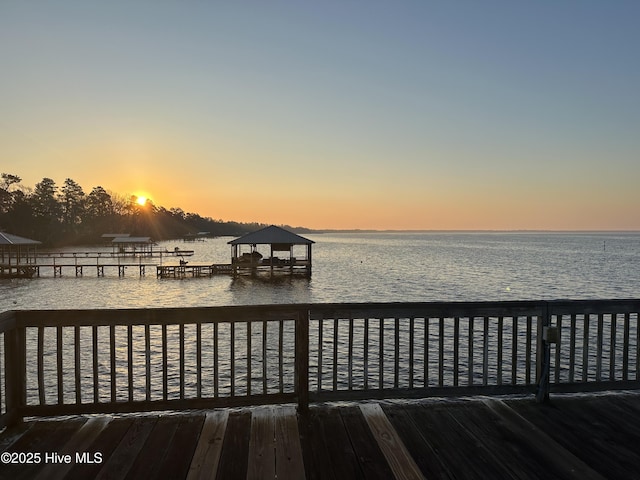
[66, 215]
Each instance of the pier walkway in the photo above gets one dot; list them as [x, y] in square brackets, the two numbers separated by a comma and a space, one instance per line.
[573, 437]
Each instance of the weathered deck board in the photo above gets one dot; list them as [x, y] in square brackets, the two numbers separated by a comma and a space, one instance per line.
[343, 460]
[262, 445]
[370, 458]
[422, 452]
[580, 436]
[127, 451]
[580, 429]
[105, 443]
[486, 427]
[235, 448]
[204, 464]
[289, 462]
[561, 462]
[41, 437]
[183, 445]
[315, 453]
[84, 436]
[455, 447]
[392, 447]
[147, 465]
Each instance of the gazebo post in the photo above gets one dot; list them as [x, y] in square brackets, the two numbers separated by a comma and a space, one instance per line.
[271, 260]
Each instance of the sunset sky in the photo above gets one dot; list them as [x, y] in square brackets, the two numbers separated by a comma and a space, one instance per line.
[333, 114]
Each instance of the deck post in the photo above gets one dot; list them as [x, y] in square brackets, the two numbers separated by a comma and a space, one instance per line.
[543, 355]
[302, 360]
[15, 373]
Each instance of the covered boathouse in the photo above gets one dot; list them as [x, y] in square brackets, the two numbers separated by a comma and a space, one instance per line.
[271, 249]
[17, 256]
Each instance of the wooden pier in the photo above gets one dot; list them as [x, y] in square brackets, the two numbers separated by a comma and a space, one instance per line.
[195, 269]
[192, 269]
[573, 437]
[79, 263]
[80, 269]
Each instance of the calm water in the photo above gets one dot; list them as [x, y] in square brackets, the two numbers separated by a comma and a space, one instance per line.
[371, 267]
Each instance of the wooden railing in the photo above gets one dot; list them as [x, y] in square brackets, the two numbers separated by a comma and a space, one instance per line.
[96, 361]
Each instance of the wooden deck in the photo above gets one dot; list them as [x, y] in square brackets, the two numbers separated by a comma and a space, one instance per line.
[577, 436]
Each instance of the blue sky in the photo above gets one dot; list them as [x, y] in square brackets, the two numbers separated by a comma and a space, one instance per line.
[407, 115]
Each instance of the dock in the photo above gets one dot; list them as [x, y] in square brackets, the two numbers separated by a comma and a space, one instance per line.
[573, 437]
[192, 269]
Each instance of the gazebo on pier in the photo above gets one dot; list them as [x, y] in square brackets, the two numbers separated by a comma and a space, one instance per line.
[133, 246]
[287, 252]
[17, 256]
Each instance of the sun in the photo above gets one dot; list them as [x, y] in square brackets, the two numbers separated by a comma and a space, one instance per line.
[142, 201]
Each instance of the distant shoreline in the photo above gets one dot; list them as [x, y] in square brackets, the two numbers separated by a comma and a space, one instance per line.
[323, 231]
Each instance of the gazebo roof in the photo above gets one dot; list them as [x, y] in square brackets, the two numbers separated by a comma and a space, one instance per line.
[132, 240]
[271, 235]
[10, 239]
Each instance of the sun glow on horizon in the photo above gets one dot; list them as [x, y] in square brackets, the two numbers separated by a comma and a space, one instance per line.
[141, 200]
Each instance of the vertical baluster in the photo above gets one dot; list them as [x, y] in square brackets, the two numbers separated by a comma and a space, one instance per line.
[2, 370]
[59, 364]
[485, 352]
[514, 351]
[41, 393]
[456, 346]
[199, 360]
[264, 357]
[76, 354]
[500, 346]
[216, 355]
[411, 348]
[528, 347]
[381, 355]
[441, 352]
[366, 353]
[572, 349]
[147, 366]
[558, 348]
[249, 358]
[396, 353]
[335, 353]
[320, 351]
[426, 352]
[281, 356]
[637, 346]
[130, 360]
[625, 348]
[181, 359]
[612, 352]
[600, 333]
[350, 355]
[301, 381]
[164, 362]
[470, 349]
[112, 355]
[585, 348]
[94, 347]
[232, 346]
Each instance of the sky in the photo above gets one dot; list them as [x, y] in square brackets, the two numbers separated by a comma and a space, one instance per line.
[424, 115]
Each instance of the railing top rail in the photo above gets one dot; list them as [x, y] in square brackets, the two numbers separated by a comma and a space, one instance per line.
[155, 316]
[426, 309]
[567, 307]
[243, 313]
